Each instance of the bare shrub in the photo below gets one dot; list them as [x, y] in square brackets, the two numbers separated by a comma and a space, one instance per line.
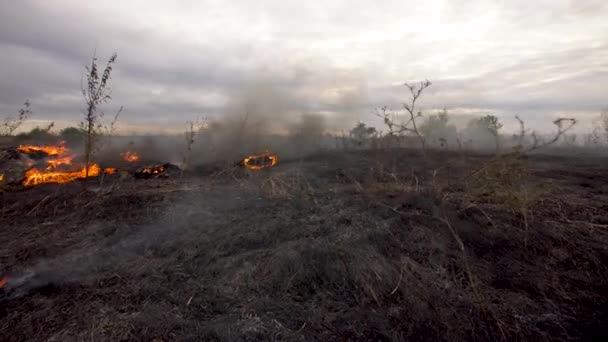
[505, 179]
[437, 129]
[194, 128]
[96, 92]
[409, 126]
[485, 130]
[363, 135]
[563, 125]
[11, 123]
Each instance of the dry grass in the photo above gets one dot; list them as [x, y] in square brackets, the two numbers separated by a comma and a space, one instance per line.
[292, 186]
[336, 247]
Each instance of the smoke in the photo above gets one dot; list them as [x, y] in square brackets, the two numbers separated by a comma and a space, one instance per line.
[258, 110]
[284, 108]
[261, 116]
[306, 136]
[115, 253]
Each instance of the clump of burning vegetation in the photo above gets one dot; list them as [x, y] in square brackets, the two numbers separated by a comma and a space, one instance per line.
[55, 164]
[260, 161]
[130, 156]
[31, 165]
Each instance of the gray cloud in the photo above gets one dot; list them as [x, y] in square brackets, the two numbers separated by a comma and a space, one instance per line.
[178, 60]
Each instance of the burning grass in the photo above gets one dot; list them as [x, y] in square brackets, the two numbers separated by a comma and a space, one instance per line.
[59, 166]
[56, 164]
[260, 161]
[155, 171]
[50, 150]
[130, 157]
[36, 177]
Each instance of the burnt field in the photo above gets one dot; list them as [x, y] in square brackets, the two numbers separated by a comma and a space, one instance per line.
[367, 245]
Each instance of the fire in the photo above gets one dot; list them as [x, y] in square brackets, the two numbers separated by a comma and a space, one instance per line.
[153, 171]
[48, 149]
[58, 167]
[53, 163]
[260, 161]
[130, 156]
[3, 281]
[35, 176]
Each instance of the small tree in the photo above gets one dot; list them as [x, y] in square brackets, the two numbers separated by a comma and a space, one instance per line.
[72, 135]
[96, 91]
[438, 128]
[38, 135]
[487, 125]
[361, 134]
[194, 127]
[10, 123]
[491, 123]
[410, 125]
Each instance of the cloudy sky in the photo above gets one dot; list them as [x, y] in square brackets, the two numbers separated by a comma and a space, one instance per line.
[342, 58]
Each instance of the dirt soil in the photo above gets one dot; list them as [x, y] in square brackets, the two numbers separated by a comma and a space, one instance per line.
[359, 246]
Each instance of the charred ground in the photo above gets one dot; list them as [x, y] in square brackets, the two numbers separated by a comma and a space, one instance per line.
[382, 245]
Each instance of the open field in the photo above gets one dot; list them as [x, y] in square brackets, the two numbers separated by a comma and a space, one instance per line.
[304, 171]
[365, 246]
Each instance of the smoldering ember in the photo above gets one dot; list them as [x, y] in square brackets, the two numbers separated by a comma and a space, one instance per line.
[290, 171]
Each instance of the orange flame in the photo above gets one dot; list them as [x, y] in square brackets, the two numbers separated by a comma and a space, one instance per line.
[57, 155]
[130, 156]
[260, 161]
[48, 149]
[53, 163]
[155, 170]
[3, 281]
[35, 176]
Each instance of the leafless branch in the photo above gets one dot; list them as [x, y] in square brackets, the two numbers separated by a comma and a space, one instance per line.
[409, 126]
[11, 124]
[194, 128]
[95, 92]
